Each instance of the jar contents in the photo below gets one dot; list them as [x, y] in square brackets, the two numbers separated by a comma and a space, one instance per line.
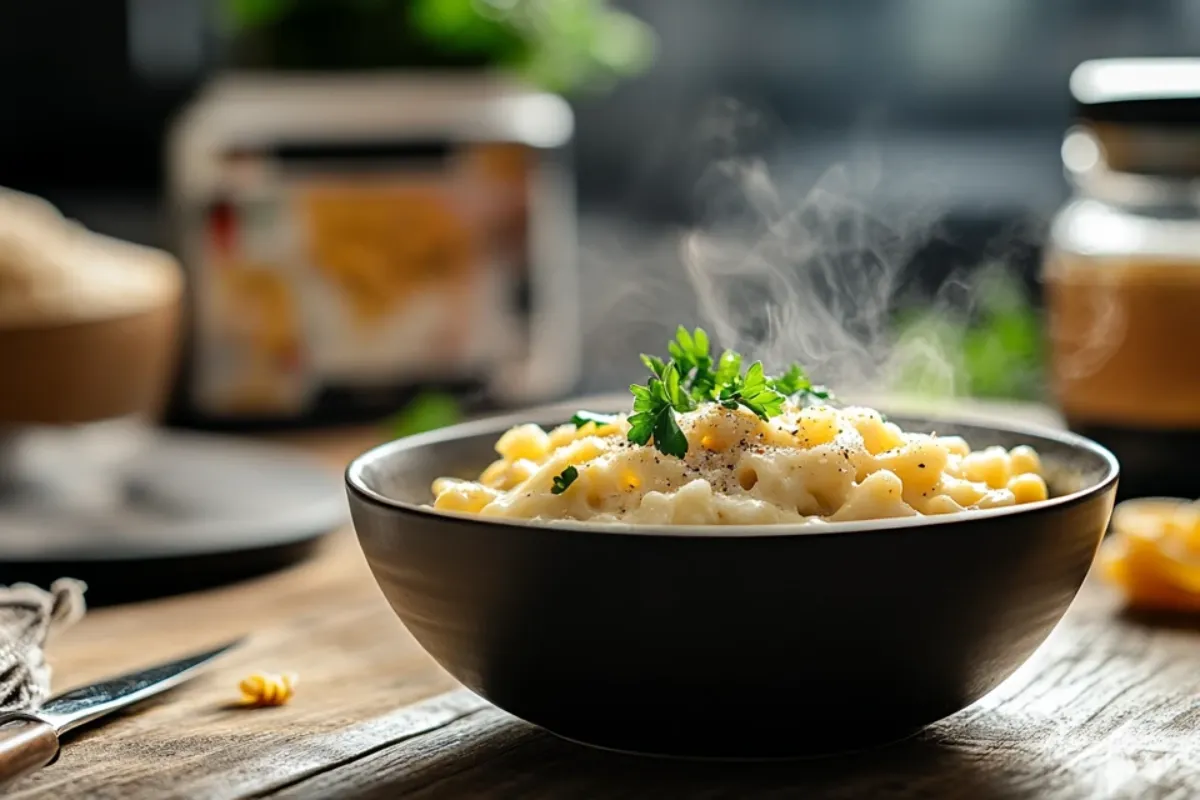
[1123, 330]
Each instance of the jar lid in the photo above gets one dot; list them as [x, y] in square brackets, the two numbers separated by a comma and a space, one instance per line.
[1153, 92]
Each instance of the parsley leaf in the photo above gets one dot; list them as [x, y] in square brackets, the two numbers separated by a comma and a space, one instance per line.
[796, 383]
[654, 364]
[690, 352]
[792, 382]
[677, 396]
[729, 368]
[818, 394]
[581, 418]
[668, 438]
[563, 480]
[754, 391]
[654, 408]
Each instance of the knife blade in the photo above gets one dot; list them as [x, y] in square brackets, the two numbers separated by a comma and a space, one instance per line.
[30, 740]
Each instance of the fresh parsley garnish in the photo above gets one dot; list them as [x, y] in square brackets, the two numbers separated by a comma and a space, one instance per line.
[581, 418]
[563, 480]
[754, 391]
[729, 368]
[690, 353]
[792, 382]
[692, 377]
[654, 407]
[796, 384]
[654, 364]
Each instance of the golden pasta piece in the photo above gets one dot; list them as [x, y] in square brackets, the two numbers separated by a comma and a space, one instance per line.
[942, 504]
[524, 441]
[816, 426]
[442, 485]
[609, 429]
[955, 445]
[494, 476]
[963, 492]
[877, 435]
[268, 689]
[996, 498]
[1028, 487]
[990, 466]
[879, 496]
[1024, 460]
[563, 435]
[468, 497]
[520, 471]
[918, 464]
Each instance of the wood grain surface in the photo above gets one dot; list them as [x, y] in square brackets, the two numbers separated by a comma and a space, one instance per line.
[1108, 708]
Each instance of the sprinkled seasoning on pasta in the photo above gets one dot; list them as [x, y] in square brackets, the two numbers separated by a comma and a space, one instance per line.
[710, 445]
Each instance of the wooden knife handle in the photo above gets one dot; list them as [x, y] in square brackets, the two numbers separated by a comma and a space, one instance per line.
[26, 745]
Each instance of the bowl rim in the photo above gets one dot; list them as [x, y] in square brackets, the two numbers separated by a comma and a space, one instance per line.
[496, 424]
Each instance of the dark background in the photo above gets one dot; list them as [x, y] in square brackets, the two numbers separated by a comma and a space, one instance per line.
[956, 107]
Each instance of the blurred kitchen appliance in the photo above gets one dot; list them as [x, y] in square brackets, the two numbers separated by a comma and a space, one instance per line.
[1122, 271]
[351, 238]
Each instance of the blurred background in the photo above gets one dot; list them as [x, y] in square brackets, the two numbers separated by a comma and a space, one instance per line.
[957, 108]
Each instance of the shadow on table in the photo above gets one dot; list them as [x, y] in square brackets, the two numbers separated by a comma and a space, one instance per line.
[517, 760]
[1170, 620]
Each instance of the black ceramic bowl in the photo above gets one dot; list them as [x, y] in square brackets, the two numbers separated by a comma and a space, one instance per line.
[759, 641]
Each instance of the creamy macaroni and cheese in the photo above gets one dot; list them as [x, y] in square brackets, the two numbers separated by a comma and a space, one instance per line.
[810, 464]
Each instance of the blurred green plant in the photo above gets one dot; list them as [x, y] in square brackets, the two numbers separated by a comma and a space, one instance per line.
[560, 45]
[427, 411]
[996, 351]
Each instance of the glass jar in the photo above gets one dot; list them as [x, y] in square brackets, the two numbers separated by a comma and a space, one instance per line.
[352, 238]
[1122, 270]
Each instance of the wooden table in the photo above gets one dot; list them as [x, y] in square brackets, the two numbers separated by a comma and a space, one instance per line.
[1107, 708]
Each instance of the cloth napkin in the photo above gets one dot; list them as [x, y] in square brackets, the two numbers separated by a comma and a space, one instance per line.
[27, 616]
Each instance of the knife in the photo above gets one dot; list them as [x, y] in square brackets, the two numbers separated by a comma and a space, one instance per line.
[29, 740]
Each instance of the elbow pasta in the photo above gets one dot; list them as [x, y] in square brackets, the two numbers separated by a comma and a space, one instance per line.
[266, 689]
[806, 465]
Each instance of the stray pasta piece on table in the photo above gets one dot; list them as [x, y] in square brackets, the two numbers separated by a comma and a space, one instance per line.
[268, 689]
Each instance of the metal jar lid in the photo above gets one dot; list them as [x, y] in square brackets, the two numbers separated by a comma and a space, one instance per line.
[1143, 115]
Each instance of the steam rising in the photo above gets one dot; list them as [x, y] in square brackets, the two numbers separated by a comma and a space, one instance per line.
[812, 281]
[784, 275]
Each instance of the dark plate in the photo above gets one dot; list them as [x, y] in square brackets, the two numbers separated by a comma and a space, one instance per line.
[751, 642]
[186, 512]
